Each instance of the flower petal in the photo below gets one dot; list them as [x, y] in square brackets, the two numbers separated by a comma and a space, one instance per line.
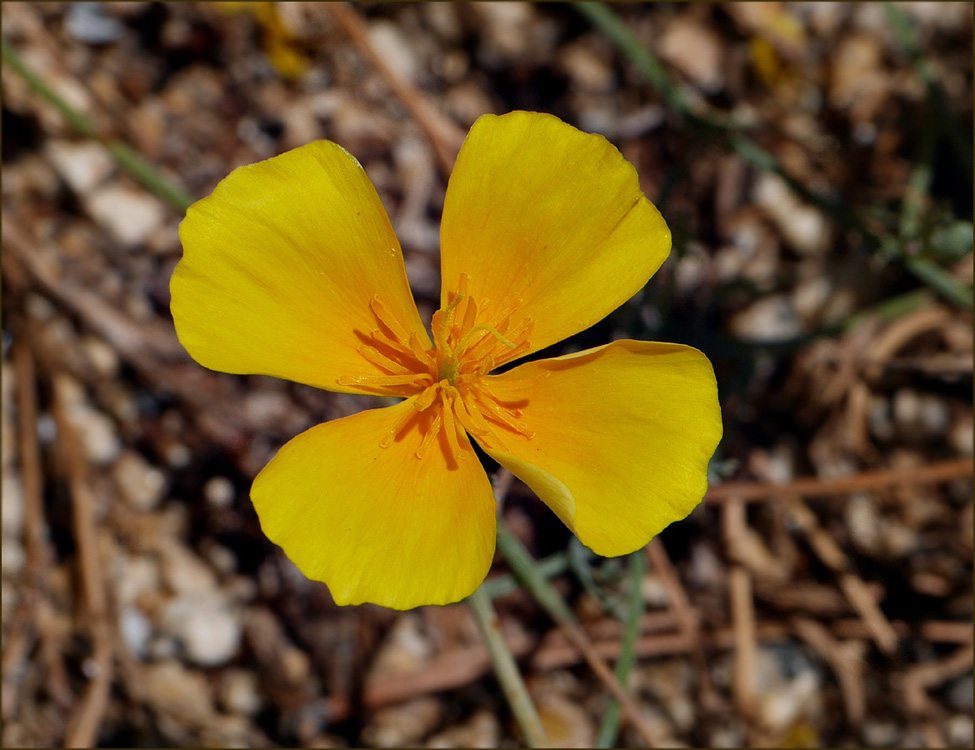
[280, 265]
[622, 437]
[548, 220]
[379, 524]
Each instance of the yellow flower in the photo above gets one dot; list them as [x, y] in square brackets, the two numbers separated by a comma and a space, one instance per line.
[291, 269]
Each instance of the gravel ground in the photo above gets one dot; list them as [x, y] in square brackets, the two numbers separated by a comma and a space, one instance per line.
[822, 259]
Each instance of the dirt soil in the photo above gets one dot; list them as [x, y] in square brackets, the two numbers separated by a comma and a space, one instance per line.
[814, 162]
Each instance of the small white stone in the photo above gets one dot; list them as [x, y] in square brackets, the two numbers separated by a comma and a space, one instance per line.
[405, 649]
[101, 356]
[961, 436]
[82, 165]
[179, 692]
[881, 424]
[135, 629]
[481, 730]
[729, 736]
[899, 540]
[398, 53]
[239, 692]
[129, 215]
[811, 296]
[506, 28]
[263, 408]
[768, 319]
[881, 734]
[934, 415]
[863, 521]
[219, 492]
[177, 455]
[690, 273]
[98, 434]
[295, 664]
[588, 70]
[185, 573]
[705, 569]
[134, 576]
[221, 558]
[12, 557]
[141, 484]
[207, 627]
[960, 731]
[907, 410]
[403, 725]
[781, 707]
[804, 227]
[12, 504]
[89, 23]
[653, 591]
[696, 50]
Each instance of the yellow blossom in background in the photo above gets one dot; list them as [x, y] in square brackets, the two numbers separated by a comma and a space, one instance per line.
[291, 269]
[277, 42]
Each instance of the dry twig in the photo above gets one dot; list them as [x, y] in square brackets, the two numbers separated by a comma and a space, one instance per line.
[20, 636]
[856, 590]
[526, 569]
[82, 729]
[846, 659]
[742, 613]
[445, 137]
[686, 614]
[462, 666]
[449, 670]
[37, 547]
[152, 350]
[936, 473]
[922, 677]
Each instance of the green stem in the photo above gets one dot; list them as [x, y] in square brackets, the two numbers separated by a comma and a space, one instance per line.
[526, 570]
[953, 290]
[550, 567]
[610, 727]
[507, 670]
[143, 171]
[127, 158]
[608, 21]
[78, 121]
[941, 112]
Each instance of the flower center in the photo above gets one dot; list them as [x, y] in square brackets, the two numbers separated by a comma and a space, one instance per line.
[449, 370]
[449, 396]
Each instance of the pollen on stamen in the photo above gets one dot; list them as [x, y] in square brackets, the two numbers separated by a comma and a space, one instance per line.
[383, 383]
[450, 428]
[432, 431]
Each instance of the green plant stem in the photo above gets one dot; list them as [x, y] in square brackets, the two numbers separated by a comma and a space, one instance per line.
[889, 309]
[507, 670]
[526, 570]
[941, 113]
[125, 156]
[606, 19]
[953, 290]
[610, 726]
[580, 561]
[550, 567]
[144, 172]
